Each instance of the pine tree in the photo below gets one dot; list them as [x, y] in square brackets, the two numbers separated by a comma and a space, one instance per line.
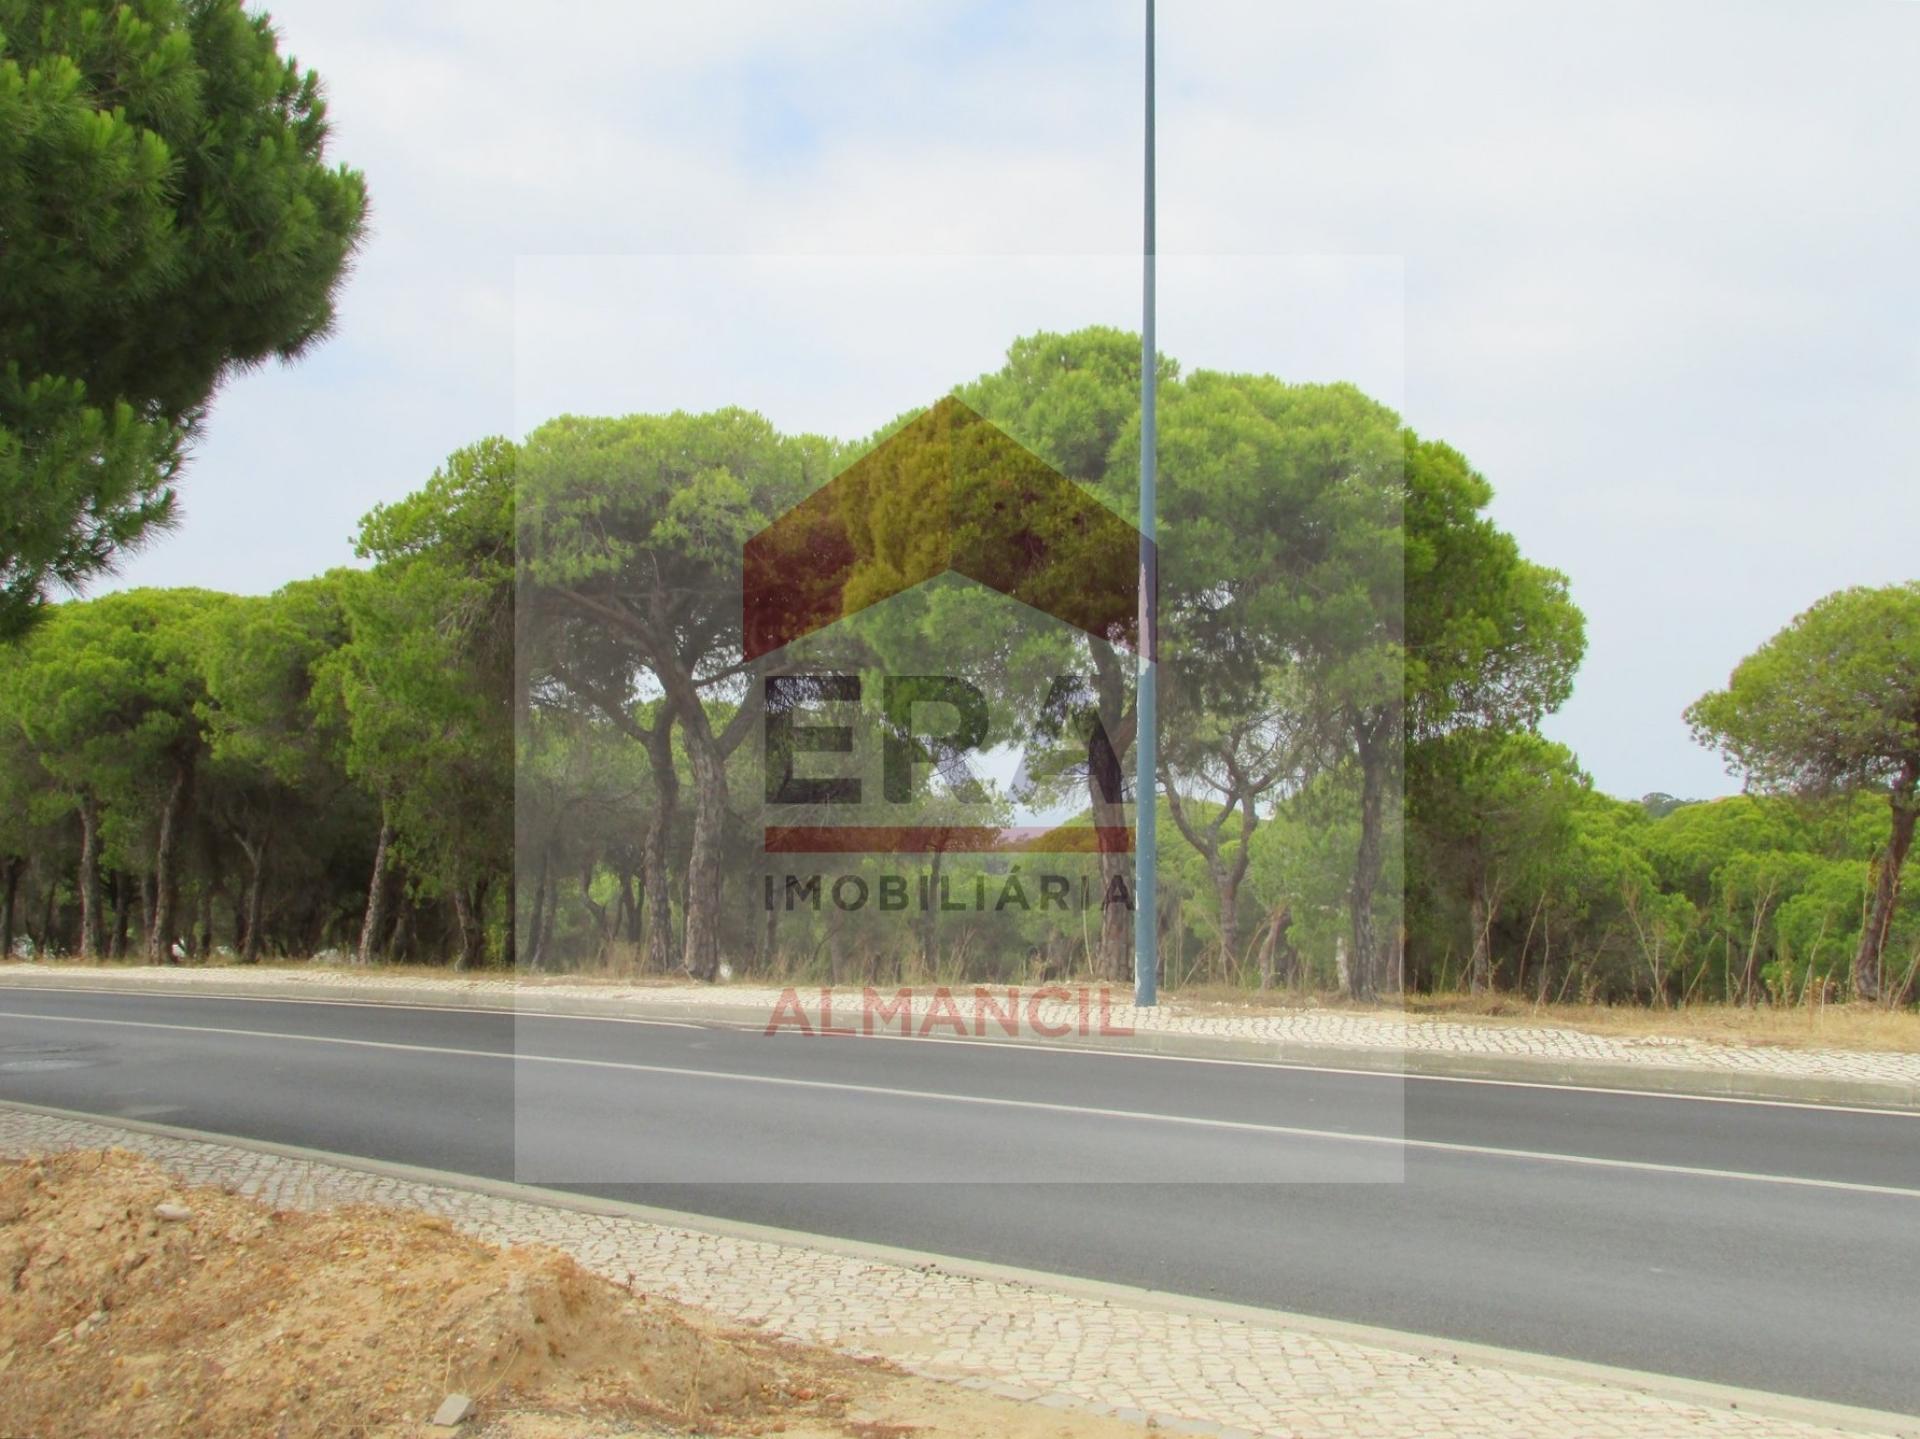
[166, 217]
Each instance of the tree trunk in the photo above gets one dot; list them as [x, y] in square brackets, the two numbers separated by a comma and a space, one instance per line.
[836, 945]
[122, 912]
[166, 886]
[470, 912]
[603, 926]
[700, 955]
[1107, 747]
[203, 945]
[1886, 889]
[930, 916]
[1480, 917]
[769, 938]
[1368, 861]
[9, 894]
[1169, 941]
[376, 897]
[44, 940]
[1113, 959]
[510, 934]
[256, 883]
[536, 950]
[1391, 977]
[654, 880]
[1272, 946]
[400, 942]
[630, 907]
[173, 917]
[1225, 875]
[1226, 885]
[707, 754]
[92, 920]
[463, 919]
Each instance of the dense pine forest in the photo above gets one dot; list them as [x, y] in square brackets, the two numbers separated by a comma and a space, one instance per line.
[524, 732]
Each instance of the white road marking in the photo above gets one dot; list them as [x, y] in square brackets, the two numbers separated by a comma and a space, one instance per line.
[1082, 1050]
[401, 1004]
[1044, 1106]
[1302, 1067]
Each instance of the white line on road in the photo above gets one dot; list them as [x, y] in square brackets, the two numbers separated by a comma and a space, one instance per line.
[1403, 1075]
[1037, 1105]
[1070, 1051]
[501, 1012]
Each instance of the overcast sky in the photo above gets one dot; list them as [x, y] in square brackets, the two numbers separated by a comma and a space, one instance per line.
[1651, 267]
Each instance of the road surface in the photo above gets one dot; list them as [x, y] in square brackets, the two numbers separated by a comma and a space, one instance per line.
[1771, 1246]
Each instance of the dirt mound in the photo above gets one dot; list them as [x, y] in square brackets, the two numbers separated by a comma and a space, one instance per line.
[134, 1306]
[131, 1305]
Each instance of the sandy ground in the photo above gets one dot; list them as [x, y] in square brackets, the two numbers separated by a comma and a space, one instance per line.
[137, 1306]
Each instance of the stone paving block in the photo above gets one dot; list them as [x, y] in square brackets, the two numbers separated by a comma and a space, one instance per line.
[1244, 1379]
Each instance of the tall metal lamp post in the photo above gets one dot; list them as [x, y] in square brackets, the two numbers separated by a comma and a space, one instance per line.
[1146, 932]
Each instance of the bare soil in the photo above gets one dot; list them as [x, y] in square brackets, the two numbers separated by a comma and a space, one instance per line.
[135, 1305]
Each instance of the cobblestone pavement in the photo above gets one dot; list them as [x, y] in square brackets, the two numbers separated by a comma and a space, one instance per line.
[1188, 1372]
[1328, 1028]
[1340, 1029]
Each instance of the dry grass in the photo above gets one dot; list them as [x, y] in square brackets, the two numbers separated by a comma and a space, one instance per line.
[1834, 1026]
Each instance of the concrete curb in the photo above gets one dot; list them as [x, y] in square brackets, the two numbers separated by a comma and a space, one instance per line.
[1676, 1080]
[1660, 1386]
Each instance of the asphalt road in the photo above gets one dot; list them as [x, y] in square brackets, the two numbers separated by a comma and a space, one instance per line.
[1764, 1245]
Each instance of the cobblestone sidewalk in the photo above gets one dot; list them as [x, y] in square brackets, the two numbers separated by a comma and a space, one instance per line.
[1191, 1373]
[1298, 1028]
[1338, 1029]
